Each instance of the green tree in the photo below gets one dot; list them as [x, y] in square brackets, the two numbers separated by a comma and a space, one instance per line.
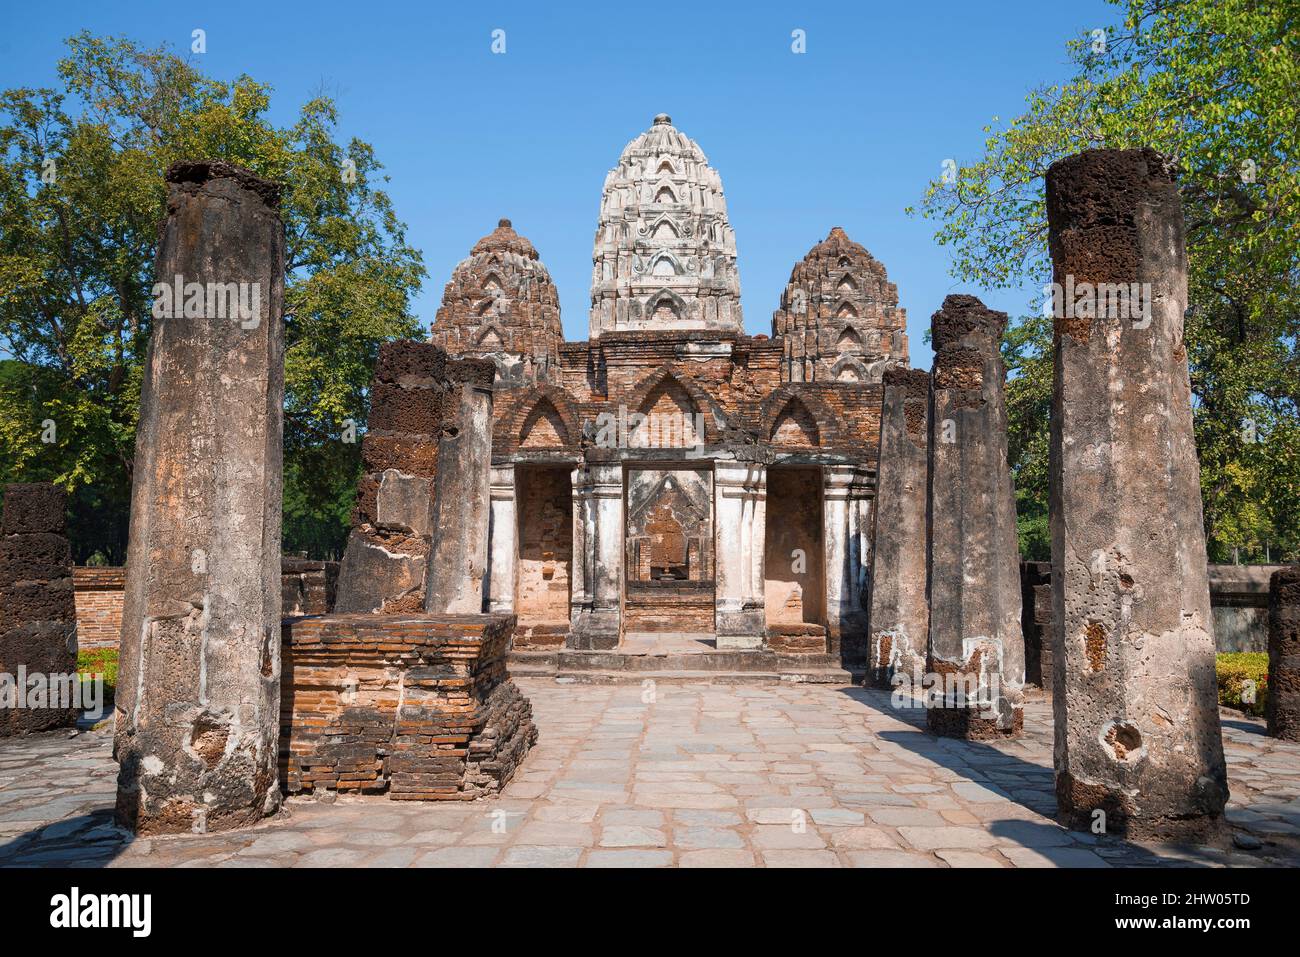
[81, 197]
[1215, 86]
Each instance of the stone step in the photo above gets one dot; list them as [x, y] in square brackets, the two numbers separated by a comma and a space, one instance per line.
[837, 676]
[731, 667]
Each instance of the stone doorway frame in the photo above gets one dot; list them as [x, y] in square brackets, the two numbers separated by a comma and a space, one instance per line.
[677, 464]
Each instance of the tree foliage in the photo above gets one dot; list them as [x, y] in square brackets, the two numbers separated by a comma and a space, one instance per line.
[1215, 86]
[81, 198]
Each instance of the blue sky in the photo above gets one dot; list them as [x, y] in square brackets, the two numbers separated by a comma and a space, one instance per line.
[846, 134]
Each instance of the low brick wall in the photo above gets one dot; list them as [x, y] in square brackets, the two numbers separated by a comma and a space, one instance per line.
[796, 638]
[541, 634]
[307, 587]
[1238, 602]
[418, 706]
[682, 606]
[99, 606]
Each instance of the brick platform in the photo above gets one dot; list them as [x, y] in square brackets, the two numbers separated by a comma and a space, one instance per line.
[417, 706]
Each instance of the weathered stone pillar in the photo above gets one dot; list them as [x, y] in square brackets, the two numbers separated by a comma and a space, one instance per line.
[582, 560]
[1135, 699]
[740, 513]
[900, 611]
[973, 560]
[855, 631]
[198, 695]
[597, 556]
[1283, 705]
[846, 519]
[39, 688]
[387, 555]
[458, 560]
[503, 543]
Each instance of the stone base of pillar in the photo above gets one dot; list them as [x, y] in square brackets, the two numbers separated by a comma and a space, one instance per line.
[971, 724]
[740, 642]
[973, 704]
[1078, 803]
[594, 630]
[892, 652]
[741, 627]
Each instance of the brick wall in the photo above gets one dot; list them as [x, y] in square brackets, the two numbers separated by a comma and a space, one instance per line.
[99, 606]
[307, 588]
[417, 706]
[1238, 601]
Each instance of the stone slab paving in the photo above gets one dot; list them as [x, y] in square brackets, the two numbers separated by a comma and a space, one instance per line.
[687, 775]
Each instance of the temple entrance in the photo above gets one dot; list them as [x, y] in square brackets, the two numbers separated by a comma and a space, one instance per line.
[545, 511]
[794, 585]
[668, 549]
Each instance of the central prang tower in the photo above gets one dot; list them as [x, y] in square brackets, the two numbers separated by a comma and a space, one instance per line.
[665, 254]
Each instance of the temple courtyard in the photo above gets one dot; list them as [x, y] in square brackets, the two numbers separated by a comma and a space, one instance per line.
[692, 774]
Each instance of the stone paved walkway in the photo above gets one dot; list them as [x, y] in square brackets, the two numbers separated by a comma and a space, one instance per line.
[693, 775]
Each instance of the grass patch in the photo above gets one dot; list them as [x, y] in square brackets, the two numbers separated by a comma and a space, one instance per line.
[99, 661]
[1243, 672]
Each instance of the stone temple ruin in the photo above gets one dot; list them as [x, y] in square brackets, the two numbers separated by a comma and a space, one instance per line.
[672, 475]
[803, 505]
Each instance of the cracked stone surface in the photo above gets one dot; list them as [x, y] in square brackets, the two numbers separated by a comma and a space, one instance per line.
[700, 775]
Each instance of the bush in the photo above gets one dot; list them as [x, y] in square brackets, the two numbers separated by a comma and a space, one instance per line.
[99, 661]
[1234, 670]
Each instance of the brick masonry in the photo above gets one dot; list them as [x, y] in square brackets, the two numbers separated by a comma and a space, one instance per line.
[1239, 604]
[99, 606]
[307, 587]
[384, 564]
[416, 706]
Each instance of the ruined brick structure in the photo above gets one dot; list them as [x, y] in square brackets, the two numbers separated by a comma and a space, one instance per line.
[1036, 621]
[502, 276]
[38, 615]
[387, 553]
[426, 415]
[307, 587]
[413, 706]
[632, 479]
[1283, 705]
[839, 317]
[1135, 697]
[669, 475]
